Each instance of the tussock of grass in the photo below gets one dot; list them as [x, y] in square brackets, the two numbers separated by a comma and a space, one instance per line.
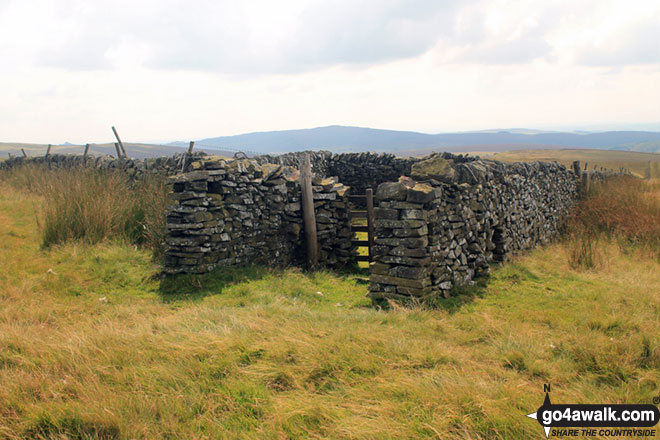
[92, 205]
[623, 209]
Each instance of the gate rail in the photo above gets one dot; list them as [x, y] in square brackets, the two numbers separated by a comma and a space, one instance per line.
[368, 201]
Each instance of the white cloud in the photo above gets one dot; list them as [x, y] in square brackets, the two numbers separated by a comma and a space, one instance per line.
[174, 69]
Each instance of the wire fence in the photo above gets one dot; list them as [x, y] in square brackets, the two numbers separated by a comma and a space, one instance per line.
[48, 148]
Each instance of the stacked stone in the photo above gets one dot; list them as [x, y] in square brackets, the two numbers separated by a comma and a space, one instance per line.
[191, 225]
[357, 170]
[319, 160]
[402, 264]
[231, 214]
[459, 236]
[240, 212]
[367, 170]
[333, 222]
[134, 168]
[476, 212]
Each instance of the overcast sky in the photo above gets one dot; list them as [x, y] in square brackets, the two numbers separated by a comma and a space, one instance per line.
[164, 70]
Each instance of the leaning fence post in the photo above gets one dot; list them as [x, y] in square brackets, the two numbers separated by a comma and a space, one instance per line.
[86, 150]
[121, 144]
[24, 153]
[48, 151]
[309, 218]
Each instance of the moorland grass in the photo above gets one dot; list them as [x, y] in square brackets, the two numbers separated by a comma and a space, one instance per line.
[635, 162]
[94, 344]
[625, 210]
[91, 205]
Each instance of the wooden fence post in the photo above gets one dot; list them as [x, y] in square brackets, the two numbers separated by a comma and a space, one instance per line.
[576, 168]
[121, 144]
[309, 218]
[86, 150]
[187, 155]
[586, 179]
[24, 153]
[370, 221]
[48, 151]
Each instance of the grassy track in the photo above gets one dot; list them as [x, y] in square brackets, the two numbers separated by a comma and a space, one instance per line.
[93, 345]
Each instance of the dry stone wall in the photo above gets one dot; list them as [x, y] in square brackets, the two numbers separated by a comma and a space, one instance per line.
[240, 212]
[135, 168]
[447, 224]
[357, 170]
[440, 221]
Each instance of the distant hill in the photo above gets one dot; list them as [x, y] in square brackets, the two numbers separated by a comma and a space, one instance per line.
[340, 138]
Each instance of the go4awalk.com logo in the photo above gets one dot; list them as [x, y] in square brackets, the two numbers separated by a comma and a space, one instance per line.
[604, 420]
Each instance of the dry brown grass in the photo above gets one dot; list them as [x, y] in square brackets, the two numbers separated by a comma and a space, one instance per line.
[93, 346]
[96, 348]
[622, 209]
[92, 205]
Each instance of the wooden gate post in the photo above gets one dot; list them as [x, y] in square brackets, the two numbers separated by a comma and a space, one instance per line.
[309, 218]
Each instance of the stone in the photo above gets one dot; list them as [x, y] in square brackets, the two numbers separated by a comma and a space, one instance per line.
[386, 213]
[420, 193]
[399, 224]
[403, 251]
[413, 214]
[269, 171]
[392, 191]
[409, 272]
[419, 292]
[418, 232]
[378, 268]
[407, 261]
[411, 242]
[435, 168]
[396, 281]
